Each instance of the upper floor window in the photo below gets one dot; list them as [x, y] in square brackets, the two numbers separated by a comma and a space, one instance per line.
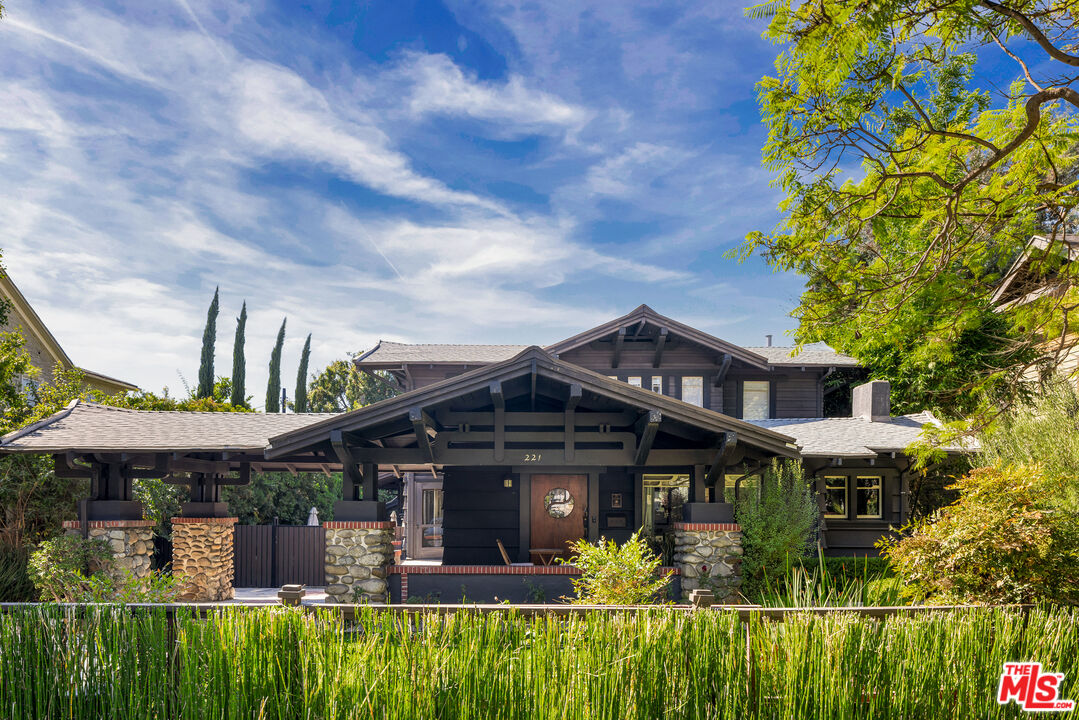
[657, 384]
[755, 400]
[693, 390]
[634, 380]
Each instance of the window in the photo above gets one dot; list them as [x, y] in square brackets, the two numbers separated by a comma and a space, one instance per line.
[693, 391]
[657, 384]
[755, 400]
[835, 496]
[634, 380]
[664, 496]
[867, 498]
[558, 502]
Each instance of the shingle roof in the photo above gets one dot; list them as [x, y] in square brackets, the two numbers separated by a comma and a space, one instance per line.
[854, 436]
[396, 353]
[810, 355]
[89, 427]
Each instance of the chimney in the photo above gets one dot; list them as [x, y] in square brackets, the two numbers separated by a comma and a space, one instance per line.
[872, 401]
[768, 340]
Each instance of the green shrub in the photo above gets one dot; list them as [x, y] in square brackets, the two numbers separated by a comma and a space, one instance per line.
[856, 568]
[70, 568]
[15, 583]
[831, 582]
[777, 518]
[1004, 540]
[613, 574]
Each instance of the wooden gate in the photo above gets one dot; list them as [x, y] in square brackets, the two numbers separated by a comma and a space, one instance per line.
[276, 555]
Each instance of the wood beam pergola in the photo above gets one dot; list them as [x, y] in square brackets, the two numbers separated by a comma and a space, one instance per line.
[351, 477]
[421, 421]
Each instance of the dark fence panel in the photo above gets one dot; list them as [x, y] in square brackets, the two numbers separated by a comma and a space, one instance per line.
[276, 555]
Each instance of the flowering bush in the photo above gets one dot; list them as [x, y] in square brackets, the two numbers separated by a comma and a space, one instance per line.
[1007, 539]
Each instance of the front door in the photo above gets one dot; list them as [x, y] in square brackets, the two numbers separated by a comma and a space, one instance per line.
[559, 509]
[425, 520]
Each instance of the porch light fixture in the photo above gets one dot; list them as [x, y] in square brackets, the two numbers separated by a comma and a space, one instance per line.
[507, 482]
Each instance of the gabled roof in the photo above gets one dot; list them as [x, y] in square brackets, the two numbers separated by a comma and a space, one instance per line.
[1014, 278]
[856, 437]
[538, 362]
[394, 354]
[645, 314]
[32, 322]
[90, 427]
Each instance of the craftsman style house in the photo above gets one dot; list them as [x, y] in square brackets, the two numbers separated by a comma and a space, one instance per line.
[858, 462]
[506, 453]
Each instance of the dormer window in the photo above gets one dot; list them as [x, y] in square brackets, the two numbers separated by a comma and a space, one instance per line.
[756, 402]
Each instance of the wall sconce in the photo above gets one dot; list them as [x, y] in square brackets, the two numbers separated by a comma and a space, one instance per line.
[507, 482]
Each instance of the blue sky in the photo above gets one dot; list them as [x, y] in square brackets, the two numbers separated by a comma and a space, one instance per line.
[466, 171]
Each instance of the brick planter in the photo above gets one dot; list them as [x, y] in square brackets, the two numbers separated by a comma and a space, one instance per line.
[202, 558]
[709, 556]
[131, 542]
[358, 554]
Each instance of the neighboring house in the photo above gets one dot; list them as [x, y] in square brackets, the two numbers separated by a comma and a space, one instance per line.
[1025, 283]
[44, 350]
[858, 462]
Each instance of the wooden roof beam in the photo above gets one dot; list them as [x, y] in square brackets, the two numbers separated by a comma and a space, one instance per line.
[572, 401]
[647, 428]
[726, 446]
[419, 420]
[619, 340]
[724, 366]
[498, 399]
[352, 480]
[661, 341]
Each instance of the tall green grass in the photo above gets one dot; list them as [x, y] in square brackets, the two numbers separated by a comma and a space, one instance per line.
[657, 663]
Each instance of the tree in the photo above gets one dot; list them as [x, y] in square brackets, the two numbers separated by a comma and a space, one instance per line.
[209, 341]
[273, 386]
[239, 365]
[911, 188]
[283, 495]
[300, 403]
[340, 387]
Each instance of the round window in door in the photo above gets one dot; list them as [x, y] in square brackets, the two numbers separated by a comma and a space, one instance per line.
[559, 503]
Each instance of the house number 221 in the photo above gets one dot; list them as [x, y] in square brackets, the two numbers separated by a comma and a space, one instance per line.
[532, 457]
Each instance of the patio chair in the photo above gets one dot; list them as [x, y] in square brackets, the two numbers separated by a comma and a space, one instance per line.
[506, 555]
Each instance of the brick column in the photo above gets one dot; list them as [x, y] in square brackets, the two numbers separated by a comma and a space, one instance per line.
[131, 542]
[709, 556]
[358, 554]
[202, 558]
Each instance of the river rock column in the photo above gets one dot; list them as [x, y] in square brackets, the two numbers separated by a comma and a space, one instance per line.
[709, 556]
[202, 558]
[131, 542]
[358, 554]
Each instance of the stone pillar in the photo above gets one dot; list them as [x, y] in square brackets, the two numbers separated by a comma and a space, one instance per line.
[202, 558]
[358, 554]
[131, 542]
[709, 556]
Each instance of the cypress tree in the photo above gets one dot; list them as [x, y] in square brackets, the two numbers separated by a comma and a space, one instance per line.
[273, 387]
[239, 365]
[209, 339]
[300, 404]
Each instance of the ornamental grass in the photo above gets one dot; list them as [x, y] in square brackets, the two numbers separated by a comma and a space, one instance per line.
[109, 661]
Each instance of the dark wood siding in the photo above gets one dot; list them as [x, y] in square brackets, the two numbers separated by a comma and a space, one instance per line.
[617, 523]
[478, 510]
[797, 396]
[858, 536]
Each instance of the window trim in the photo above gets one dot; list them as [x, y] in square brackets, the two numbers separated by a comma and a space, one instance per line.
[845, 515]
[880, 496]
[638, 378]
[742, 399]
[652, 383]
[682, 389]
